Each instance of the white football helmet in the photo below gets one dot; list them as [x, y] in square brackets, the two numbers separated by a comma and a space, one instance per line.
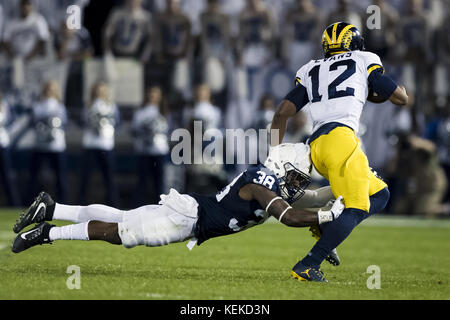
[292, 166]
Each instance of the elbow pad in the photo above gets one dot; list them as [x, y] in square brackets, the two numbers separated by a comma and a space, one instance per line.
[383, 85]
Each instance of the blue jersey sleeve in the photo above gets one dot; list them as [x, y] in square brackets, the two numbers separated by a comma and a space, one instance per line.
[298, 96]
[381, 84]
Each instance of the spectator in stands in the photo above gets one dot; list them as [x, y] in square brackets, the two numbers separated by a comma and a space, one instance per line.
[49, 119]
[7, 177]
[345, 12]
[257, 31]
[55, 11]
[443, 40]
[73, 45]
[302, 29]
[215, 32]
[381, 41]
[202, 175]
[174, 46]
[150, 130]
[128, 31]
[25, 36]
[174, 30]
[204, 109]
[264, 116]
[421, 179]
[414, 35]
[215, 50]
[438, 130]
[263, 119]
[101, 118]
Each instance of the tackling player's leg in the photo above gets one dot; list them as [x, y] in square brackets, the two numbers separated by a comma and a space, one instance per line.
[151, 225]
[45, 209]
[44, 233]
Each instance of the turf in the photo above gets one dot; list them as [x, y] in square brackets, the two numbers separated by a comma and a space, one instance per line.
[413, 256]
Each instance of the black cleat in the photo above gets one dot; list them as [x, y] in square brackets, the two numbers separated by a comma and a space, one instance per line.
[40, 210]
[333, 258]
[39, 234]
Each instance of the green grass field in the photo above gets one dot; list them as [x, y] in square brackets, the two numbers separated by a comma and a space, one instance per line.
[413, 256]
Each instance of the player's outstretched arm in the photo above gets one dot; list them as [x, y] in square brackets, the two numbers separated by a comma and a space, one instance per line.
[287, 215]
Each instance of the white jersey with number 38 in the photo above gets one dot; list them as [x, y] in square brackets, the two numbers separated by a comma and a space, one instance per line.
[337, 87]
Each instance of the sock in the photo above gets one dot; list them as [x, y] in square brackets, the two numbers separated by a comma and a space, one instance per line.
[85, 213]
[70, 232]
[333, 233]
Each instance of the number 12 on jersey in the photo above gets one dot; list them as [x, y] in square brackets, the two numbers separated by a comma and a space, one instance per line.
[333, 93]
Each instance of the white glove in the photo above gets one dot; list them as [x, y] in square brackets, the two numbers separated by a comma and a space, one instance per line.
[333, 213]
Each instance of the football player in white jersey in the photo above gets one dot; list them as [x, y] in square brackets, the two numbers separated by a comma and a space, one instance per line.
[334, 90]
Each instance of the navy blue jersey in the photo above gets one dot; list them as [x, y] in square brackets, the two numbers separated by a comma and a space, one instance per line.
[226, 212]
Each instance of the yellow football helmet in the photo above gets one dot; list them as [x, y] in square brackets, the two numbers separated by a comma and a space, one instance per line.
[340, 37]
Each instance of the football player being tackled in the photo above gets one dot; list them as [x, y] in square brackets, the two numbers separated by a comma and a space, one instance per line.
[334, 90]
[276, 189]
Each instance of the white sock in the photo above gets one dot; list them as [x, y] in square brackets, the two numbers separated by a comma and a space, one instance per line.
[70, 232]
[86, 213]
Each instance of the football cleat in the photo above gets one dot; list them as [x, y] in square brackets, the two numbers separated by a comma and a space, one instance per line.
[40, 210]
[302, 273]
[333, 257]
[39, 234]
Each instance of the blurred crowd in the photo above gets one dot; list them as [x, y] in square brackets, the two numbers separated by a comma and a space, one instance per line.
[227, 63]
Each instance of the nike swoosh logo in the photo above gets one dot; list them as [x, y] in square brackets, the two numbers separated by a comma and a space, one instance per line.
[41, 205]
[26, 233]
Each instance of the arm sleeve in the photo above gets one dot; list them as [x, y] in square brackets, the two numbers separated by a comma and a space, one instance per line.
[383, 85]
[298, 96]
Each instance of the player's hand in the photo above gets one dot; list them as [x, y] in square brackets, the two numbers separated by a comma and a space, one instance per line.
[332, 214]
[338, 207]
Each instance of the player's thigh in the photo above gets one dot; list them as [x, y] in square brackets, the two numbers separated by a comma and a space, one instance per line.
[154, 225]
[333, 149]
[352, 181]
[347, 167]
